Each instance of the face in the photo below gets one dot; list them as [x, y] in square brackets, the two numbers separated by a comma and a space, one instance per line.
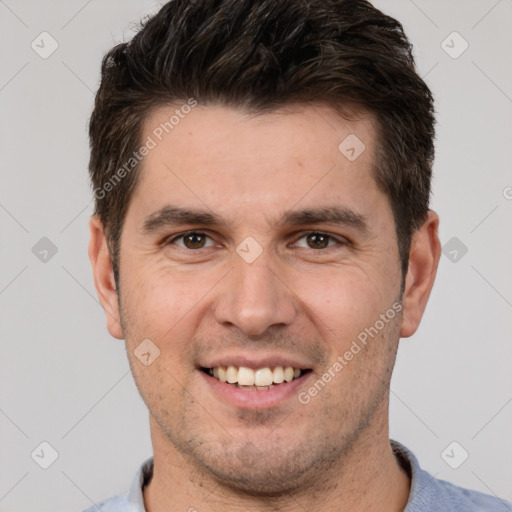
[254, 242]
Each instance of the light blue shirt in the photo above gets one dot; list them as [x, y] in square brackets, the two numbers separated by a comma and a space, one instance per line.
[428, 494]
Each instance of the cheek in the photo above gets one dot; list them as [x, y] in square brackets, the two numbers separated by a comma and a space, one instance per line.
[159, 307]
[162, 390]
[345, 301]
[164, 304]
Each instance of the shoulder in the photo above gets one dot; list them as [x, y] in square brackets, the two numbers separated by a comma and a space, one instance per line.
[449, 497]
[429, 494]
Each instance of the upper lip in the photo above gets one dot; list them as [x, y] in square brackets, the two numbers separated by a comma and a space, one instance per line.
[255, 362]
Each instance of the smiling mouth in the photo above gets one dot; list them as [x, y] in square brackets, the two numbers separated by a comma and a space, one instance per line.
[260, 379]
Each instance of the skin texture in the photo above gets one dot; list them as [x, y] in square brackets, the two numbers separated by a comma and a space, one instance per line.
[295, 300]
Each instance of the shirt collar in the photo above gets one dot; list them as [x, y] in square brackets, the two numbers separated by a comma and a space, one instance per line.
[142, 478]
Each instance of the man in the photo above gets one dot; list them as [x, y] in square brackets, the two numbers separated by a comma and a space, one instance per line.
[262, 240]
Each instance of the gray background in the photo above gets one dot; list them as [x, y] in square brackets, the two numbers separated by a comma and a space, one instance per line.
[66, 382]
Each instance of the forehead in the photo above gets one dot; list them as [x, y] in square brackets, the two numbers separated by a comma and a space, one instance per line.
[216, 156]
[296, 131]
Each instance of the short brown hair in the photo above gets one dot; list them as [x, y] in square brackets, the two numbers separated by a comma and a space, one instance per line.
[260, 55]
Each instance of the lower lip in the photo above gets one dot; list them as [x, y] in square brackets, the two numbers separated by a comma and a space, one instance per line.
[253, 398]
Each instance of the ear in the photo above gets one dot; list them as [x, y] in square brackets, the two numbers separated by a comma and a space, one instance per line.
[423, 261]
[103, 273]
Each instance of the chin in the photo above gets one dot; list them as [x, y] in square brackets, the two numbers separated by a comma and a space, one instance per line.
[260, 480]
[265, 471]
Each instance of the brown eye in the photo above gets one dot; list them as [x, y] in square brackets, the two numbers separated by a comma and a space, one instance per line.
[194, 241]
[191, 240]
[317, 240]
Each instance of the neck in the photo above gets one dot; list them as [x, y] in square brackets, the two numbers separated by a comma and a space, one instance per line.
[368, 478]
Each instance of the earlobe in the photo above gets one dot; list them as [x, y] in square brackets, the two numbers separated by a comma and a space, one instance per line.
[104, 276]
[423, 261]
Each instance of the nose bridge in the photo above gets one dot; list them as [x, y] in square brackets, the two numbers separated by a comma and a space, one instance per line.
[253, 297]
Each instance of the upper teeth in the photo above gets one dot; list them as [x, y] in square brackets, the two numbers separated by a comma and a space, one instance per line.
[260, 377]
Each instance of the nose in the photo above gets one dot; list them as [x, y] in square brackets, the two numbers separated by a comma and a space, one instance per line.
[255, 297]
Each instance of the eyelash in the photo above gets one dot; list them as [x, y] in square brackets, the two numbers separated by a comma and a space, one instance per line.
[340, 242]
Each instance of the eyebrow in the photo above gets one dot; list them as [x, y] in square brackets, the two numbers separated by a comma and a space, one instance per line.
[328, 215]
[172, 216]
